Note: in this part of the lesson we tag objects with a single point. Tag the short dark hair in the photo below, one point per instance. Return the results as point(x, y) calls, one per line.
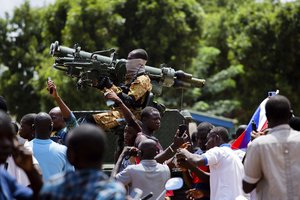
point(240, 130)
point(278, 108)
point(3, 104)
point(203, 129)
point(88, 141)
point(138, 53)
point(6, 126)
point(146, 112)
point(28, 118)
point(42, 123)
point(221, 132)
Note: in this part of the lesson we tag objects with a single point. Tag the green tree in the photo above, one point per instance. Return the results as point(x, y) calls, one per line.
point(264, 39)
point(169, 30)
point(20, 46)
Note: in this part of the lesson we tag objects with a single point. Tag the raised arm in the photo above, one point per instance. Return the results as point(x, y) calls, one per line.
point(172, 149)
point(66, 112)
point(204, 176)
point(197, 160)
point(127, 151)
point(128, 115)
point(23, 158)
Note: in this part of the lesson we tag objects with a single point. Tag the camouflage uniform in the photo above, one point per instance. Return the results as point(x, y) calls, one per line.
point(139, 90)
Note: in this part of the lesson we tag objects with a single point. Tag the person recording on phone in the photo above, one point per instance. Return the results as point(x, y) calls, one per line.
point(62, 117)
point(139, 132)
point(223, 162)
point(151, 119)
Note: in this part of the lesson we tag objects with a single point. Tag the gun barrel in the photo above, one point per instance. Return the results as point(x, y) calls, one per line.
point(59, 51)
point(197, 82)
point(76, 63)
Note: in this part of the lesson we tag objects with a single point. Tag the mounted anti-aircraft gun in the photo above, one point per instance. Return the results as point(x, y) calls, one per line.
point(91, 68)
point(87, 67)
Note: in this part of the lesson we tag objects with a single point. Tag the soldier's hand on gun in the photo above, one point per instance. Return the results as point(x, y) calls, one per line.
point(104, 82)
point(194, 194)
point(51, 87)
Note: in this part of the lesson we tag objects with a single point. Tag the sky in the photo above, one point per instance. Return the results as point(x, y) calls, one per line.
point(9, 5)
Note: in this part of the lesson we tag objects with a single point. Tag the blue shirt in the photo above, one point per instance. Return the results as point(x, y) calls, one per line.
point(61, 135)
point(51, 156)
point(10, 189)
point(83, 184)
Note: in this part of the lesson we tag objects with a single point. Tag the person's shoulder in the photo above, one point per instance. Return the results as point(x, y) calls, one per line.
point(10, 184)
point(218, 151)
point(5, 175)
point(139, 138)
point(58, 147)
point(262, 140)
point(113, 183)
point(29, 143)
point(294, 133)
point(212, 150)
point(111, 189)
point(163, 166)
point(54, 184)
point(142, 79)
point(133, 168)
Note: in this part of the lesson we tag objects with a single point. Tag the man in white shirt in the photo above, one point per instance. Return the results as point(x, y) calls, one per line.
point(149, 176)
point(226, 169)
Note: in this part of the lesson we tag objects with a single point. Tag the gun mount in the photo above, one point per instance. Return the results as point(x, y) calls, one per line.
point(87, 67)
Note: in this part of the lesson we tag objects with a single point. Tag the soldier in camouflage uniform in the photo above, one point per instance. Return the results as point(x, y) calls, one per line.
point(133, 93)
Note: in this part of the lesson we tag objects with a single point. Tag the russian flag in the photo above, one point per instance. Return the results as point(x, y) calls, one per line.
point(261, 122)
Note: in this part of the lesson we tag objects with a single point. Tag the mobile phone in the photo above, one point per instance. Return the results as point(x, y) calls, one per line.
point(51, 89)
point(182, 128)
point(254, 128)
point(136, 194)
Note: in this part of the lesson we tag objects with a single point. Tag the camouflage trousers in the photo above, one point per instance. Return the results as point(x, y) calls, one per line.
point(111, 119)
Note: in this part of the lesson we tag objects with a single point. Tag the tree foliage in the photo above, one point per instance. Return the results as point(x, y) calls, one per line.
point(95, 25)
point(242, 48)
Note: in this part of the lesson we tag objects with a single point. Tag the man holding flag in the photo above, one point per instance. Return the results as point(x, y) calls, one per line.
point(272, 164)
point(259, 119)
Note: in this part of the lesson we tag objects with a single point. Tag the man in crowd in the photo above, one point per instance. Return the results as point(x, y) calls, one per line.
point(86, 148)
point(196, 176)
point(9, 188)
point(62, 117)
point(150, 118)
point(150, 122)
point(26, 126)
point(226, 169)
point(50, 155)
point(272, 161)
point(10, 164)
point(149, 176)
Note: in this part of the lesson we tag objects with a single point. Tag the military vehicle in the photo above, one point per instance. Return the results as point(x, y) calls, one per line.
point(86, 67)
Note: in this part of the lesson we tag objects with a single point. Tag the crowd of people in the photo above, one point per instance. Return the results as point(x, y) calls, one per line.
point(51, 156)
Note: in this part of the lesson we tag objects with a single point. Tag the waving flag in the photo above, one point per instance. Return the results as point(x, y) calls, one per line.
point(260, 119)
